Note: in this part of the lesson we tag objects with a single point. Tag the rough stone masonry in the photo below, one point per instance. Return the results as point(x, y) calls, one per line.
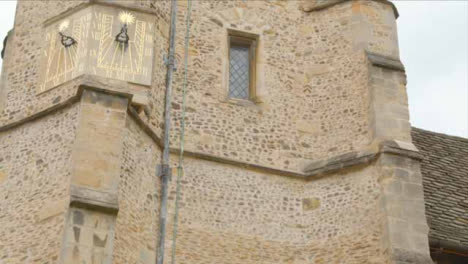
point(318, 168)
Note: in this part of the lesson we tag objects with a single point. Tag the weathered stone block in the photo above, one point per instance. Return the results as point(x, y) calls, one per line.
point(310, 204)
point(51, 209)
point(99, 140)
point(86, 240)
point(3, 176)
point(413, 190)
point(147, 256)
point(402, 175)
point(400, 239)
point(394, 187)
point(402, 255)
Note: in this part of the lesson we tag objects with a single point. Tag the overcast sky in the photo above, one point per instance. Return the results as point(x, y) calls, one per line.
point(433, 38)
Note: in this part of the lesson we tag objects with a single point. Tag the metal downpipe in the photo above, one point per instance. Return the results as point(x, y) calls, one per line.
point(165, 169)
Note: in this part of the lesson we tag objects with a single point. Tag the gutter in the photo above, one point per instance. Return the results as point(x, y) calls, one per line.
point(164, 168)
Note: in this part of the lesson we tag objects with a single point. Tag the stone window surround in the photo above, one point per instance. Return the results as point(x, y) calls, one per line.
point(249, 39)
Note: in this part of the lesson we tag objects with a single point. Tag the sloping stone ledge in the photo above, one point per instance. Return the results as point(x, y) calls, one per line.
point(401, 148)
point(85, 81)
point(208, 157)
point(82, 197)
point(316, 5)
point(339, 162)
point(360, 158)
point(44, 112)
point(314, 170)
point(385, 62)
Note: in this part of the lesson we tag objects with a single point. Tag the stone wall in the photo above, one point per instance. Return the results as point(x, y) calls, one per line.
point(41, 160)
point(327, 88)
point(233, 215)
point(21, 99)
point(312, 83)
point(137, 221)
point(35, 170)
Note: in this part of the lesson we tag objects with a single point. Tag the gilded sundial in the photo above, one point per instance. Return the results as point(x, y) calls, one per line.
point(99, 40)
point(62, 54)
point(123, 46)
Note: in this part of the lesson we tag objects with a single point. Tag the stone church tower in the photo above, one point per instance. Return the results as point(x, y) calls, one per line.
point(297, 137)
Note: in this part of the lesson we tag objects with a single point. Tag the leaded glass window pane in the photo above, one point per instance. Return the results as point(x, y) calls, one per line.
point(239, 71)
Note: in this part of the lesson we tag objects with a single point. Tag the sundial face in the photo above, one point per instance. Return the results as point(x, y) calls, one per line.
point(62, 56)
point(99, 40)
point(122, 45)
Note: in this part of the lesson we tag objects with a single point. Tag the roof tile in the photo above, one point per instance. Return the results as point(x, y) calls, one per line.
point(445, 180)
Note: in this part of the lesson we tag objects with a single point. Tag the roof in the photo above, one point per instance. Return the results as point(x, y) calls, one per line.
point(445, 180)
